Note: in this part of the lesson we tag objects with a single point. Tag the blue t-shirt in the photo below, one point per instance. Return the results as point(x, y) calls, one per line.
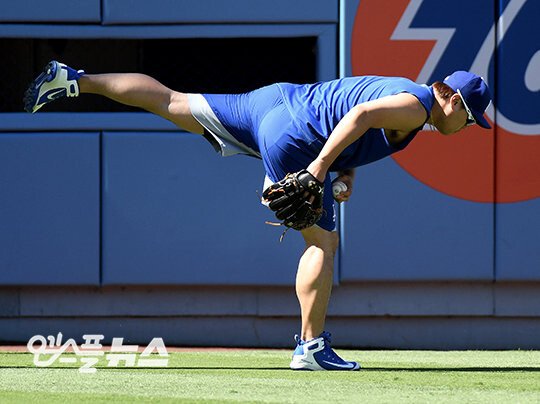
point(317, 108)
point(288, 124)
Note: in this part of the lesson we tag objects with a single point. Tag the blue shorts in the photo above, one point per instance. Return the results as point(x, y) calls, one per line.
point(261, 121)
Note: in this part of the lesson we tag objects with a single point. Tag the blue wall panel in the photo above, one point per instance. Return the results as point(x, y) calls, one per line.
point(49, 209)
point(232, 11)
point(50, 11)
point(175, 212)
point(518, 241)
point(399, 229)
point(518, 143)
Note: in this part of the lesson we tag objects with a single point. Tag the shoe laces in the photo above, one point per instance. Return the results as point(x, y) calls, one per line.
point(326, 336)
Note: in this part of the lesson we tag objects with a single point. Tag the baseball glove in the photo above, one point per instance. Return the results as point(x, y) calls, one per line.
point(296, 200)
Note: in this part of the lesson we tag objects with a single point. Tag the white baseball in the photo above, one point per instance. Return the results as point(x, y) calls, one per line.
point(338, 187)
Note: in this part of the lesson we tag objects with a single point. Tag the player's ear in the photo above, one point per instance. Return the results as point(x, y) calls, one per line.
point(455, 101)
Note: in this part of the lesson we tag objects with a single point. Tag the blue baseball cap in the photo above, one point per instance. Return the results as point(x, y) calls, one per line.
point(474, 92)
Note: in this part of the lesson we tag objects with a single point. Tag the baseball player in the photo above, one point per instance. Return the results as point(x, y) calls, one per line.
point(310, 130)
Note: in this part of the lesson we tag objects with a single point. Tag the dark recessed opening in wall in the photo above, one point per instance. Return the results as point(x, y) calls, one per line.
point(213, 65)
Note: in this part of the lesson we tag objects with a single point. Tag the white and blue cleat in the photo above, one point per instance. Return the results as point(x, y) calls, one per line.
point(317, 354)
point(57, 80)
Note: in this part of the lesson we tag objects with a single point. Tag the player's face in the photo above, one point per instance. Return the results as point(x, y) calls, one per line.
point(455, 117)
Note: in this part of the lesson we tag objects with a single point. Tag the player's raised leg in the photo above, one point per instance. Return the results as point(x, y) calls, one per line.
point(134, 89)
point(313, 287)
point(140, 90)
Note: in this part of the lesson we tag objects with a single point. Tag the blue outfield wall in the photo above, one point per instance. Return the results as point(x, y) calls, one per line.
point(125, 199)
point(78, 11)
point(49, 208)
point(398, 229)
point(175, 212)
point(165, 209)
point(218, 11)
point(460, 208)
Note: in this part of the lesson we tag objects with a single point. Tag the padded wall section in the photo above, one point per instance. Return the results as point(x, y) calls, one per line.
point(518, 241)
point(427, 213)
point(51, 11)
point(174, 212)
point(198, 11)
point(518, 143)
point(399, 229)
point(49, 209)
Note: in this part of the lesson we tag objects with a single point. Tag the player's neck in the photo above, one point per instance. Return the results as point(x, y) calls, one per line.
point(437, 110)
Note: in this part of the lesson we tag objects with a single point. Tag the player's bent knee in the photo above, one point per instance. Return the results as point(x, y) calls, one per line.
point(324, 239)
point(180, 113)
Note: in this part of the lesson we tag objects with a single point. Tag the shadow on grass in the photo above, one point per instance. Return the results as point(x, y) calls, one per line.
point(456, 369)
point(367, 369)
point(149, 367)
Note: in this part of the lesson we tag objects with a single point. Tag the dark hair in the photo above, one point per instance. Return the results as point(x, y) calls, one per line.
point(444, 90)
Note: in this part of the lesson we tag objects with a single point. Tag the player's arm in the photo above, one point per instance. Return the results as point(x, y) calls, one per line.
point(398, 112)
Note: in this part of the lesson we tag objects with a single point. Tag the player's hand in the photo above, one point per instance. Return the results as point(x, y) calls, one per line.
point(296, 200)
point(345, 195)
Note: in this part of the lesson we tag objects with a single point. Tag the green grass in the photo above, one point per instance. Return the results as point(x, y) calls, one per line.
point(263, 376)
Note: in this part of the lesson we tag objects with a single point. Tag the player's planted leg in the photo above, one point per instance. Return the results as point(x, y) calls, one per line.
point(313, 288)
